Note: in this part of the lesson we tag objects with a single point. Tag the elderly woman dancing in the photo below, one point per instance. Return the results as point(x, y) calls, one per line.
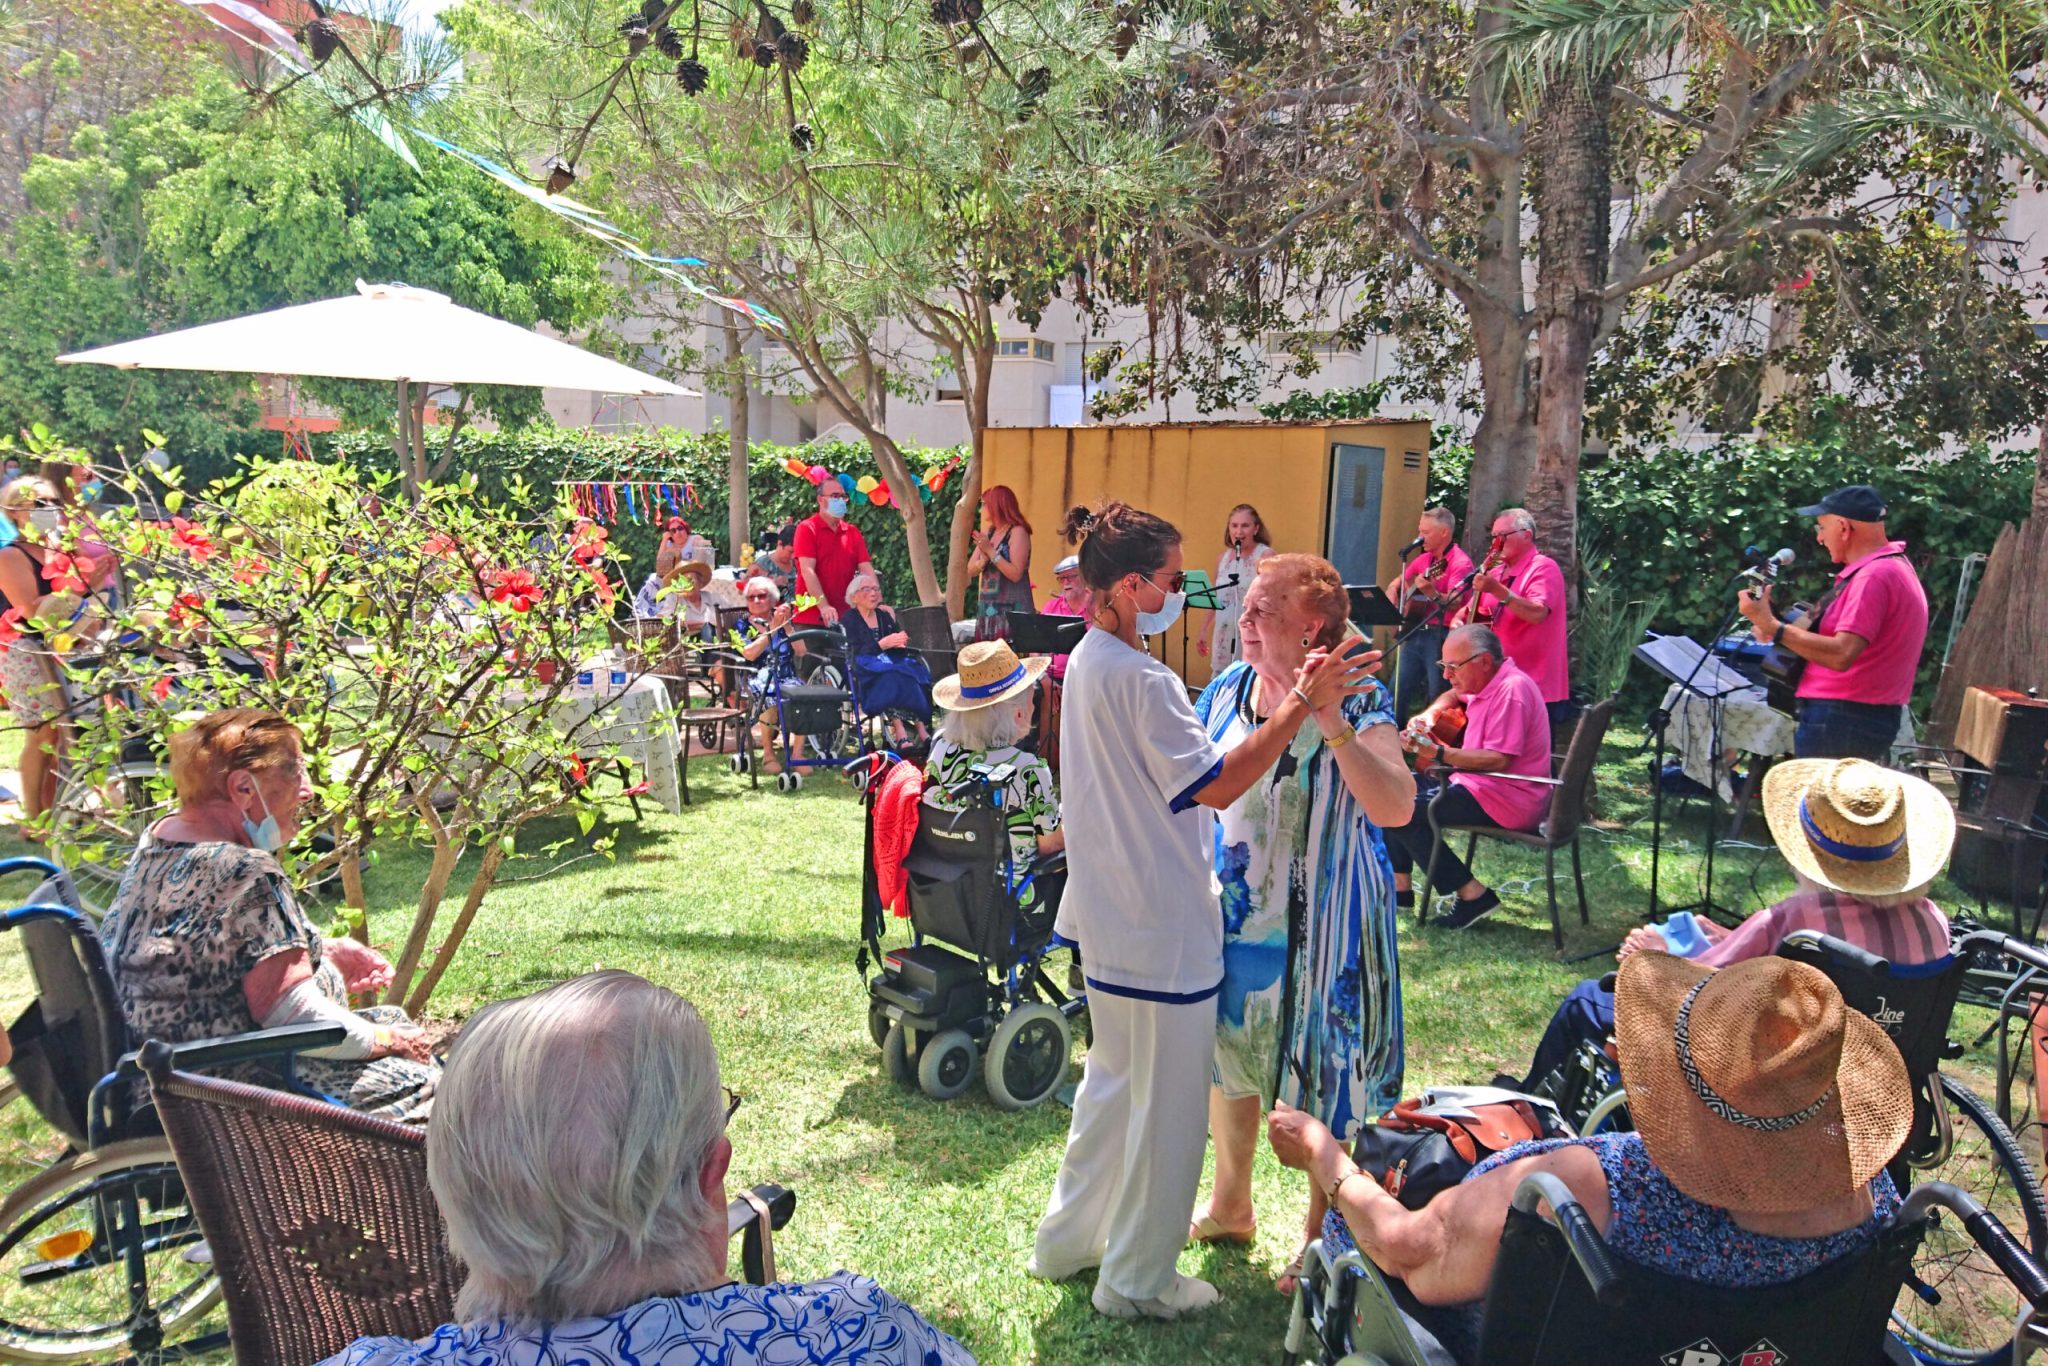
point(1310, 1010)
point(579, 1154)
point(205, 938)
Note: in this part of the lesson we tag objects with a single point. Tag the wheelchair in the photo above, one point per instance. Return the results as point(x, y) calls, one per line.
point(1559, 1297)
point(816, 696)
point(971, 992)
point(100, 1256)
point(1955, 1306)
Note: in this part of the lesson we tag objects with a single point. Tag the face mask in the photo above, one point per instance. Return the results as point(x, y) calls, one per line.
point(1154, 623)
point(268, 836)
point(90, 491)
point(49, 521)
point(835, 507)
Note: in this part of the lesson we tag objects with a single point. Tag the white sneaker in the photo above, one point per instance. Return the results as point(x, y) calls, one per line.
point(1186, 1295)
point(1050, 1271)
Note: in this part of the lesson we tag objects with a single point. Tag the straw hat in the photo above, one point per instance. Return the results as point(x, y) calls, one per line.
point(990, 672)
point(1755, 1087)
point(697, 570)
point(1856, 827)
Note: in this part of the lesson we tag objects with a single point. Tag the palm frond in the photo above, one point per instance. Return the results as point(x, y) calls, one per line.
point(1827, 130)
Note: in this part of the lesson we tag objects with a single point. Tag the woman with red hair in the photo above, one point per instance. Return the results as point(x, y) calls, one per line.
point(1002, 556)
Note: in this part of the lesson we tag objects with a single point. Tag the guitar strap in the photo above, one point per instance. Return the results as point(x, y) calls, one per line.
point(1827, 599)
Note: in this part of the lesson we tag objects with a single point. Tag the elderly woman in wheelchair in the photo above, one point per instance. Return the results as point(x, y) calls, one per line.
point(205, 939)
point(987, 710)
point(1765, 1113)
point(588, 1203)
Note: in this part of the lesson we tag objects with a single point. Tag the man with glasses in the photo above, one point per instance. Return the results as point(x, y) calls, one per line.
point(1520, 593)
point(1507, 731)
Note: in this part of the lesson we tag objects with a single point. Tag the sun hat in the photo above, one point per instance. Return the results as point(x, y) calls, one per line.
point(990, 672)
point(1756, 1087)
point(697, 570)
point(1858, 827)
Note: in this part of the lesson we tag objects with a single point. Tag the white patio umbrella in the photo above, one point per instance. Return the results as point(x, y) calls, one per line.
point(382, 332)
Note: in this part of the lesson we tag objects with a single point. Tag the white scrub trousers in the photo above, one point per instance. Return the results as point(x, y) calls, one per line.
point(1126, 1187)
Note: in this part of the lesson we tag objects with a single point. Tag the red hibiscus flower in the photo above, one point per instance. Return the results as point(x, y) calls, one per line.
point(10, 626)
point(193, 537)
point(251, 569)
point(161, 689)
point(515, 588)
point(440, 543)
point(185, 608)
point(66, 573)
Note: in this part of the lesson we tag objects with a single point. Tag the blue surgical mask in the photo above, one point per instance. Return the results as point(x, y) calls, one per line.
point(268, 836)
point(1155, 623)
point(90, 490)
point(836, 506)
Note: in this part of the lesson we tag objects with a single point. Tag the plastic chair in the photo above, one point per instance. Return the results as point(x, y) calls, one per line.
point(1559, 830)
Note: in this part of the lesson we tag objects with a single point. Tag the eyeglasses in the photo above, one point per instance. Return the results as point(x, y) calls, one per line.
point(1178, 582)
point(1451, 666)
point(732, 1104)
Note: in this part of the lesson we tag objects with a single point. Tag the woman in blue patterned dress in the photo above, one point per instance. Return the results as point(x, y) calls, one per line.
point(1310, 1011)
point(579, 1154)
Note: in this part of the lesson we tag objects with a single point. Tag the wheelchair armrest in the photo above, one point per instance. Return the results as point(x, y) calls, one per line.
point(1814, 941)
point(755, 1225)
point(29, 865)
point(1528, 778)
point(1049, 863)
point(1588, 1248)
point(159, 1059)
point(781, 1203)
point(2027, 1275)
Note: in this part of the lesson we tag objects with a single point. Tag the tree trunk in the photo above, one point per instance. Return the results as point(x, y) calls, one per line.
point(982, 357)
point(736, 440)
point(1573, 210)
point(401, 444)
point(446, 853)
point(479, 887)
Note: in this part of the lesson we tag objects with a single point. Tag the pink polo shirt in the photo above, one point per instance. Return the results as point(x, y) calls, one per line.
point(1507, 715)
point(1538, 646)
point(1881, 600)
point(1458, 565)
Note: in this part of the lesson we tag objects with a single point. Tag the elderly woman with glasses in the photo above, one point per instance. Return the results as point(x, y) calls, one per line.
point(764, 641)
point(892, 678)
point(205, 937)
point(579, 1155)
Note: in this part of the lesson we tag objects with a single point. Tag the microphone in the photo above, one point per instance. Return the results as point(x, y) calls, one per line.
point(1763, 569)
point(1411, 547)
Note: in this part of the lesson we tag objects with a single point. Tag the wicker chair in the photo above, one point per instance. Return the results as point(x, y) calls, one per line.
point(1560, 829)
point(321, 1222)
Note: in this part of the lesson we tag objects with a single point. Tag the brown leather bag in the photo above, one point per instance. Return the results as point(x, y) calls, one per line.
point(1426, 1145)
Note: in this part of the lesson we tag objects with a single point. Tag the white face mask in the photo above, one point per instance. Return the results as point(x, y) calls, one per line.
point(49, 521)
point(1153, 623)
point(267, 836)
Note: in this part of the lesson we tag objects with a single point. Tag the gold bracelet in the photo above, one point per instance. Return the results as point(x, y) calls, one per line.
point(1341, 738)
point(1336, 1187)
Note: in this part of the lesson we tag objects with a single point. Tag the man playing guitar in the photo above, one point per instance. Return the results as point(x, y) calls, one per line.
point(1427, 584)
point(1520, 593)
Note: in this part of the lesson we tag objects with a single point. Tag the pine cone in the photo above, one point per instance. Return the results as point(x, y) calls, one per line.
point(793, 51)
point(802, 138)
point(633, 28)
point(560, 178)
point(321, 38)
point(670, 42)
point(764, 54)
point(692, 75)
point(803, 14)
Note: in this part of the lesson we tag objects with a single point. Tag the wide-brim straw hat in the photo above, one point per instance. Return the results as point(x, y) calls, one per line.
point(1857, 827)
point(697, 570)
point(990, 672)
point(1756, 1088)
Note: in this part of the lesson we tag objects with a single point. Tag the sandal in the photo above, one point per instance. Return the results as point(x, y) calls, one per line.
point(1289, 1278)
point(1205, 1229)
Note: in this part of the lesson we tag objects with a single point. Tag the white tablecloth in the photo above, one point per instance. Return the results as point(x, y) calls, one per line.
point(1740, 721)
point(640, 723)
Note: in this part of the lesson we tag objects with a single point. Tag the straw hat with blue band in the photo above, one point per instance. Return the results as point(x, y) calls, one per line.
point(990, 672)
point(1856, 827)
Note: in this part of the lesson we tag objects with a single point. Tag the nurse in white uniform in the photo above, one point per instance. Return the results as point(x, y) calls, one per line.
point(1140, 778)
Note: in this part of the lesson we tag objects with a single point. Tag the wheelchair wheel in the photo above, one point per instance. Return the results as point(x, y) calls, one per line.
point(878, 1023)
point(900, 1055)
point(96, 825)
point(1957, 1306)
point(789, 780)
point(842, 739)
point(947, 1064)
point(740, 762)
point(1027, 1056)
point(63, 1273)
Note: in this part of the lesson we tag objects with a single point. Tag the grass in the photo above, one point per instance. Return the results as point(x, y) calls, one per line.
point(747, 903)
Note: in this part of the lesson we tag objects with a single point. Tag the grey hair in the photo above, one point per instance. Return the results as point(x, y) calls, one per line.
point(860, 581)
point(1482, 639)
point(760, 581)
point(986, 728)
point(1443, 517)
point(1518, 519)
point(569, 1130)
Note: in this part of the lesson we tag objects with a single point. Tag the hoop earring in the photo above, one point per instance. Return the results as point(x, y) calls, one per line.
point(1307, 640)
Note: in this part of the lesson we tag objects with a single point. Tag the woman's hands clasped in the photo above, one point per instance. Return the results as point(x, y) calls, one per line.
point(1328, 676)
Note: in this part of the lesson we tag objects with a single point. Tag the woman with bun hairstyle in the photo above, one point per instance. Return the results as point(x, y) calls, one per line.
point(1142, 778)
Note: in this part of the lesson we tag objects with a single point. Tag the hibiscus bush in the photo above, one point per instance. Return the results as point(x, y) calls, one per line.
point(424, 649)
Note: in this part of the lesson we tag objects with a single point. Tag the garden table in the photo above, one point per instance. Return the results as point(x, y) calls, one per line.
point(640, 723)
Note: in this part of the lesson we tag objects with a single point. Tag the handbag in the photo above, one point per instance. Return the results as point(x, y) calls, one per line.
point(1423, 1147)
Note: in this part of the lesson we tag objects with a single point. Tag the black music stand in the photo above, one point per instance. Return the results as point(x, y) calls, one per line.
point(1370, 607)
point(1684, 666)
point(1042, 633)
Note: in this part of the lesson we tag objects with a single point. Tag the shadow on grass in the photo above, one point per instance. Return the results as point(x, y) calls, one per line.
point(751, 947)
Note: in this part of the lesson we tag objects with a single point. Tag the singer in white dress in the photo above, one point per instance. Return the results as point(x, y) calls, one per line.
point(1245, 543)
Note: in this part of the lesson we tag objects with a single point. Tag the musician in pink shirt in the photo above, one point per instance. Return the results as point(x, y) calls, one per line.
point(1524, 601)
point(1507, 732)
point(1429, 595)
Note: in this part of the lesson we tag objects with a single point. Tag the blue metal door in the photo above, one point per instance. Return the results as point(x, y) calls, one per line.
point(1355, 478)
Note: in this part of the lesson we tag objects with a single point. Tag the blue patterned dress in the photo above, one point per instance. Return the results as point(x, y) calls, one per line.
point(841, 1319)
point(1310, 1010)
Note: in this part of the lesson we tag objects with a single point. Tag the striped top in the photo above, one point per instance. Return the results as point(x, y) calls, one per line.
point(1914, 933)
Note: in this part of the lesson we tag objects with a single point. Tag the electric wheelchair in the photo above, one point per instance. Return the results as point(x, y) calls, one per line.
point(972, 990)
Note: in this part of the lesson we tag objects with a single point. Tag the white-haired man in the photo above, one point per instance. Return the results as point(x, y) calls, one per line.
point(579, 1152)
point(1427, 586)
point(1523, 598)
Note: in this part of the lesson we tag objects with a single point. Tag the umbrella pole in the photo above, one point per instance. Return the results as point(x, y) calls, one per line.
point(402, 442)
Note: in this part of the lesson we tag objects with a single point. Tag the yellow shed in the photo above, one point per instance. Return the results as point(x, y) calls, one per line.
point(1350, 491)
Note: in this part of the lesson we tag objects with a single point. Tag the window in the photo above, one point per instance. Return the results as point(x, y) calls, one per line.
point(948, 393)
point(1025, 348)
point(1042, 350)
point(1013, 348)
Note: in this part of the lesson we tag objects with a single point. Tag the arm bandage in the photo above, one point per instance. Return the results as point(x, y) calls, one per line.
point(306, 1004)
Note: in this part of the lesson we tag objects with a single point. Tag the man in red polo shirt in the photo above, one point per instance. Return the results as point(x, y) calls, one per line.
point(1862, 654)
point(1524, 601)
point(829, 552)
point(1507, 731)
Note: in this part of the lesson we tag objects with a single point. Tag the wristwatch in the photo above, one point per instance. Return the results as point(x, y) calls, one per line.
point(1778, 636)
point(1341, 738)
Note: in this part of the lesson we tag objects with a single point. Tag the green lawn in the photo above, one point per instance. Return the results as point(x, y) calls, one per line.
point(748, 904)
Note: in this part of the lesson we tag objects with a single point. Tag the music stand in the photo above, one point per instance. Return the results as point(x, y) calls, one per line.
point(1687, 664)
point(1043, 633)
point(1370, 606)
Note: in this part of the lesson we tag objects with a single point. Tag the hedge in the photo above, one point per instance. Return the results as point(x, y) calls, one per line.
point(540, 456)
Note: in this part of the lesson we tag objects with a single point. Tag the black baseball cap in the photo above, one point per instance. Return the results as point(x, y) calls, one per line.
point(1858, 502)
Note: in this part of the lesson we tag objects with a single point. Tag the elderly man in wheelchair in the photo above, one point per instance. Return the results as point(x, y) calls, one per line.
point(1748, 1219)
